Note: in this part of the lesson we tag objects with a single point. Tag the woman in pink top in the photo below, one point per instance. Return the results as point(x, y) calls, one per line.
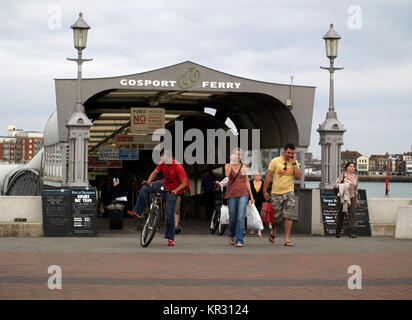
point(237, 194)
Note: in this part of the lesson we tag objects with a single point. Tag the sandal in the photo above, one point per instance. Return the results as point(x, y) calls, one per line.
point(288, 244)
point(232, 241)
point(272, 237)
point(239, 245)
point(252, 234)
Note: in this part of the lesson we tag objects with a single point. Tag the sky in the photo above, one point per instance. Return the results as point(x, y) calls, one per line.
point(264, 40)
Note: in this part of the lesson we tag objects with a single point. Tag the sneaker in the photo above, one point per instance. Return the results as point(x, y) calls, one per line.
point(171, 243)
point(134, 214)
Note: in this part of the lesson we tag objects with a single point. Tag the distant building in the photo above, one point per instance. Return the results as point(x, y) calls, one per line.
point(407, 159)
point(397, 164)
point(313, 166)
point(346, 156)
point(19, 146)
point(362, 165)
point(308, 156)
point(377, 163)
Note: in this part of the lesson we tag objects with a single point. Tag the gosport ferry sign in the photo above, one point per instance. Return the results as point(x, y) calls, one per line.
point(187, 80)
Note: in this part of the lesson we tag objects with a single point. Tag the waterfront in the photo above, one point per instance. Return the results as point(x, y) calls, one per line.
point(377, 189)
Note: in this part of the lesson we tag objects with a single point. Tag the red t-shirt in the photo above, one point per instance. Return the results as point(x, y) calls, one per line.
point(174, 174)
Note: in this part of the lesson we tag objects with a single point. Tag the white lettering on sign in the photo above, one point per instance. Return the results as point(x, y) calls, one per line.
point(148, 83)
point(172, 84)
point(221, 85)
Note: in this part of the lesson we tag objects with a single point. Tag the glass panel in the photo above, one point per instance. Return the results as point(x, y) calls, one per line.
point(265, 160)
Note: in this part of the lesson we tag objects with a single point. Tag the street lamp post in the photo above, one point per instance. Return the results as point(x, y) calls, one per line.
point(331, 130)
point(79, 124)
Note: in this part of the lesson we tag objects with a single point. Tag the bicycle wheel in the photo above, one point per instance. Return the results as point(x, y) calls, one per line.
point(222, 228)
point(150, 227)
point(215, 220)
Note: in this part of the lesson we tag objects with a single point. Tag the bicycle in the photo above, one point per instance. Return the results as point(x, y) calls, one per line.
point(153, 218)
point(215, 222)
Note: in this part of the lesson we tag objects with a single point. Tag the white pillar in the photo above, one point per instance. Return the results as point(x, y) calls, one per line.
point(79, 136)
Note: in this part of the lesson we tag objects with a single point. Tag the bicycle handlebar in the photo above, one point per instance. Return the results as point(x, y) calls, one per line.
point(161, 189)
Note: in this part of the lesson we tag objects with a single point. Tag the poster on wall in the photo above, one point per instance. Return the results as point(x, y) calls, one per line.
point(146, 120)
point(329, 207)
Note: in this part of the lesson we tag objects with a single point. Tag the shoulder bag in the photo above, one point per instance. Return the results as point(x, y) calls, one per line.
point(336, 189)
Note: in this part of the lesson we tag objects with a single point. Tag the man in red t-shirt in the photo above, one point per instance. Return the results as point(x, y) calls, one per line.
point(175, 180)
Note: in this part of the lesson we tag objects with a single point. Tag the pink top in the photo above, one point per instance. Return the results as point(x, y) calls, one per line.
point(238, 188)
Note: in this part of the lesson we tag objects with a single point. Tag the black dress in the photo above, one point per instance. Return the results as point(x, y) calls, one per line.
point(258, 196)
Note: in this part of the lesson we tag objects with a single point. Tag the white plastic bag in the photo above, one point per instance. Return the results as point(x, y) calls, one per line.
point(253, 220)
point(224, 214)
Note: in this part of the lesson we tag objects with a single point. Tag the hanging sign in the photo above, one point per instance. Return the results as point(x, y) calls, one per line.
point(146, 120)
point(141, 142)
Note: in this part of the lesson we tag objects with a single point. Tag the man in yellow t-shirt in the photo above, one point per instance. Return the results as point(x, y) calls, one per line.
point(283, 169)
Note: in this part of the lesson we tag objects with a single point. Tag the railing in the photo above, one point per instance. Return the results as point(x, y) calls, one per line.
point(55, 164)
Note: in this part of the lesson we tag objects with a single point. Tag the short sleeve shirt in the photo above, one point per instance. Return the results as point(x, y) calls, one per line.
point(173, 174)
point(283, 177)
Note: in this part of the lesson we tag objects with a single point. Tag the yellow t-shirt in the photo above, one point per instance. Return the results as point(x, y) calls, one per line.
point(283, 180)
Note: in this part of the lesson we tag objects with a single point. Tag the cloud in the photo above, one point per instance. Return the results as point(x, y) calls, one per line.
point(263, 40)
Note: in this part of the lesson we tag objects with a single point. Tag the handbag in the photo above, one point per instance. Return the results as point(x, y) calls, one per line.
point(224, 214)
point(336, 189)
point(254, 222)
point(266, 213)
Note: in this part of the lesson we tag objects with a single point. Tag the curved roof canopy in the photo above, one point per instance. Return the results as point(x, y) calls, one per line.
point(185, 90)
point(51, 131)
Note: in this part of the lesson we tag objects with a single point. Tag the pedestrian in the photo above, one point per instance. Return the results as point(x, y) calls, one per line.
point(208, 192)
point(175, 180)
point(347, 199)
point(120, 190)
point(237, 194)
point(283, 170)
point(257, 191)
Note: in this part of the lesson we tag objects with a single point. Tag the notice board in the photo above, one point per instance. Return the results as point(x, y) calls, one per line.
point(57, 214)
point(329, 207)
point(84, 211)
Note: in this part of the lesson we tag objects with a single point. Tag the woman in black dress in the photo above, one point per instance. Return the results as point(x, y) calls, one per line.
point(256, 185)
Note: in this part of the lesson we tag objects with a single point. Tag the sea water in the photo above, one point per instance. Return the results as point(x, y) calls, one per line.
point(377, 189)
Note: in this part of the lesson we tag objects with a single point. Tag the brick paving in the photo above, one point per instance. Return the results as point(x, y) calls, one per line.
point(203, 266)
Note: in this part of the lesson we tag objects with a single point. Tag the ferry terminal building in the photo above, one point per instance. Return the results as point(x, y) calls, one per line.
point(282, 112)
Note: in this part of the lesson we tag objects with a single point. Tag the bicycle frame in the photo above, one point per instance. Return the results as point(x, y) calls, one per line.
point(153, 219)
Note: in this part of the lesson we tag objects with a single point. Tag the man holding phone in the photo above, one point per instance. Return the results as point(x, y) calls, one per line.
point(283, 170)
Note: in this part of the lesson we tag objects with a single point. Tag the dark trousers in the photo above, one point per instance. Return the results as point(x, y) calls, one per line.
point(350, 217)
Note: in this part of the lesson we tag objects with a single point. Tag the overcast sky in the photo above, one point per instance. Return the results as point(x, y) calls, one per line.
point(265, 40)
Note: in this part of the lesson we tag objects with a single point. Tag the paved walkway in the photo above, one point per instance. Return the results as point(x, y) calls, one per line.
point(204, 266)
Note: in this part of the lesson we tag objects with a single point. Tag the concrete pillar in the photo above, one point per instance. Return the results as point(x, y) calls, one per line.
point(79, 136)
point(331, 139)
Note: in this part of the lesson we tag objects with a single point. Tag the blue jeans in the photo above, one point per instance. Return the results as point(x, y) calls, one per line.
point(170, 206)
point(237, 213)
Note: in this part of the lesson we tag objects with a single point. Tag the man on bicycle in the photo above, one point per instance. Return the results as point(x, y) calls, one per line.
point(175, 180)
